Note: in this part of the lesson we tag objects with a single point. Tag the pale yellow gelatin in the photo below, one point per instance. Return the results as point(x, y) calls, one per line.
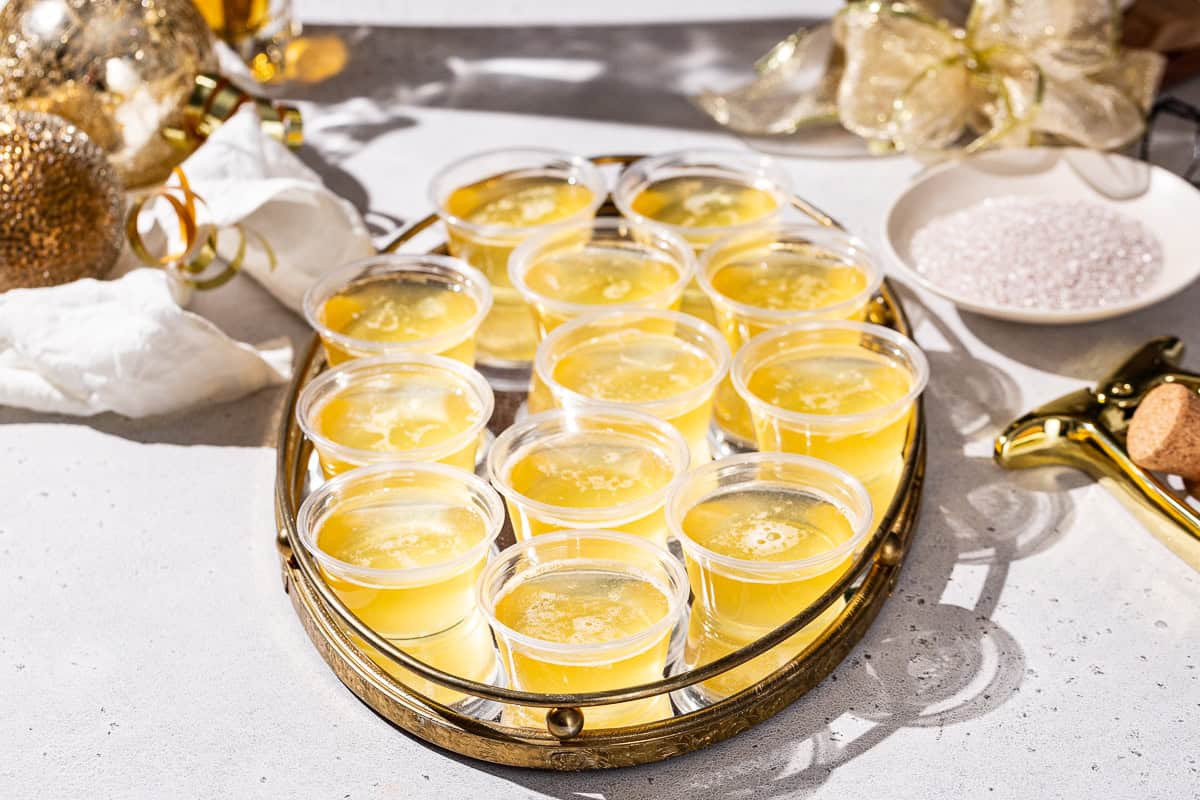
point(405, 537)
point(600, 275)
point(387, 310)
point(581, 607)
point(396, 415)
point(792, 278)
point(590, 470)
point(429, 614)
point(771, 525)
point(517, 205)
point(703, 202)
point(788, 280)
point(735, 604)
point(466, 650)
point(832, 381)
point(636, 367)
point(708, 640)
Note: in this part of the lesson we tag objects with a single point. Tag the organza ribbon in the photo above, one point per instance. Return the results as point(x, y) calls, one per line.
point(1018, 72)
point(198, 249)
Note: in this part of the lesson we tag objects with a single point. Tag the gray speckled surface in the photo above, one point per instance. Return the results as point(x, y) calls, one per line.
point(1040, 642)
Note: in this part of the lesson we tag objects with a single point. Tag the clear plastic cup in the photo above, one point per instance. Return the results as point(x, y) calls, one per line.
point(402, 546)
point(764, 277)
point(588, 467)
point(490, 202)
point(764, 535)
point(398, 303)
point(605, 265)
point(745, 189)
point(664, 363)
point(395, 408)
point(585, 611)
point(843, 392)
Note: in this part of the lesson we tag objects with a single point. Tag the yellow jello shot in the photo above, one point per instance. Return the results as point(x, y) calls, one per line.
point(702, 195)
point(591, 467)
point(663, 363)
point(395, 408)
point(762, 278)
point(399, 303)
point(608, 264)
point(842, 392)
point(764, 536)
point(585, 611)
point(402, 546)
point(490, 202)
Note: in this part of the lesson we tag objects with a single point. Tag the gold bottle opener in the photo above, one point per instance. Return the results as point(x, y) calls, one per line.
point(1086, 430)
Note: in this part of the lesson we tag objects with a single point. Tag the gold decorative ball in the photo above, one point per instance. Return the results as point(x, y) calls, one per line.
point(564, 722)
point(121, 70)
point(61, 207)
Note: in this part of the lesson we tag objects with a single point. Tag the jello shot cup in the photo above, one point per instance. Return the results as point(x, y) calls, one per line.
point(490, 202)
point(589, 467)
point(664, 363)
point(585, 611)
point(399, 303)
point(843, 392)
point(402, 545)
point(764, 535)
point(395, 408)
point(702, 195)
point(764, 277)
point(607, 264)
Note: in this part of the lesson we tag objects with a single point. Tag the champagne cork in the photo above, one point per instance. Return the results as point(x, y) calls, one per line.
point(1164, 434)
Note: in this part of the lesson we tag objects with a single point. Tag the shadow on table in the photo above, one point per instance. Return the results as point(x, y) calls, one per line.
point(616, 73)
point(1091, 350)
point(934, 657)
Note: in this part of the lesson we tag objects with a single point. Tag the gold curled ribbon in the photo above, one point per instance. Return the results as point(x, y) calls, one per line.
point(1016, 72)
point(191, 270)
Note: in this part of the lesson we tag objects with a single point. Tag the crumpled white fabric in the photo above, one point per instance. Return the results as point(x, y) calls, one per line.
point(246, 177)
point(123, 345)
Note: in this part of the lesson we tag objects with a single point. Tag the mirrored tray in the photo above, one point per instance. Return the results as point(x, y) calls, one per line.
point(566, 743)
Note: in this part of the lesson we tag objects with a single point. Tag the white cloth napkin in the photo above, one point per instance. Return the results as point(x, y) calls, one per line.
point(127, 345)
point(123, 345)
point(246, 177)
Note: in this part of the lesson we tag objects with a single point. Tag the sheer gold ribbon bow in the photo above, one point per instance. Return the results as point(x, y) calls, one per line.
point(197, 260)
point(1017, 72)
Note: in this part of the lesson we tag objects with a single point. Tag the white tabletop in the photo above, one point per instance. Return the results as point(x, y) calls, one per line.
point(1040, 641)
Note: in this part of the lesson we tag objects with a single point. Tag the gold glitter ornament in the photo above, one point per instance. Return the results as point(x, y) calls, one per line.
point(122, 70)
point(61, 206)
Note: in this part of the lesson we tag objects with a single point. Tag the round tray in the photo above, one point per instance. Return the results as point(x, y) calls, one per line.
point(329, 624)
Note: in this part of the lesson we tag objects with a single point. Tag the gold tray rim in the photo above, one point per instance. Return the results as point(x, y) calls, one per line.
point(324, 619)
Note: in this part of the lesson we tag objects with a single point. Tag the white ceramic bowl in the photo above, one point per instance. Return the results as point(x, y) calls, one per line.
point(1162, 201)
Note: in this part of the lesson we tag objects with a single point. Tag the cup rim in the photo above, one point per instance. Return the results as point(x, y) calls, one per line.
point(920, 370)
point(593, 179)
point(493, 505)
point(764, 167)
point(776, 316)
point(861, 522)
point(676, 595)
point(575, 517)
point(477, 286)
point(350, 370)
point(722, 360)
point(522, 260)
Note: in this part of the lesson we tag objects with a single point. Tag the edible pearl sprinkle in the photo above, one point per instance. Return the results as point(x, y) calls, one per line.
point(1032, 253)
